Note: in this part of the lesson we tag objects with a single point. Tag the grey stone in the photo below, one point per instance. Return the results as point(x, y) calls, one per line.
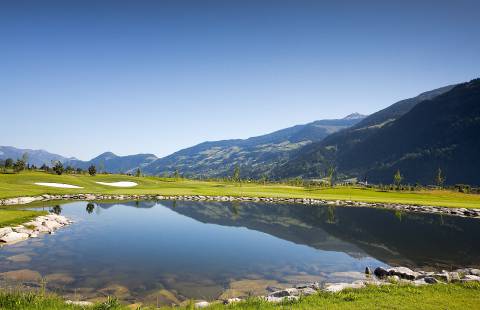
point(5, 230)
point(454, 277)
point(475, 272)
point(231, 301)
point(202, 304)
point(79, 303)
point(337, 287)
point(380, 272)
point(470, 277)
point(14, 237)
point(403, 272)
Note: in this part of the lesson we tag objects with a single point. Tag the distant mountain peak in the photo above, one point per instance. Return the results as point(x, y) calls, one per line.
point(355, 115)
point(106, 155)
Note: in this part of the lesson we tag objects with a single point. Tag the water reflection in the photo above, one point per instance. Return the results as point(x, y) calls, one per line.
point(174, 250)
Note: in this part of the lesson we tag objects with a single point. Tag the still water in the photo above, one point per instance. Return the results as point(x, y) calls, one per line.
point(167, 252)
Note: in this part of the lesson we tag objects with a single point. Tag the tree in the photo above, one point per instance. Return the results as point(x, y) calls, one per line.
point(58, 168)
point(439, 178)
point(176, 174)
point(330, 173)
point(90, 207)
point(69, 169)
point(138, 173)
point(19, 165)
point(92, 170)
point(236, 174)
point(397, 178)
point(264, 179)
point(8, 163)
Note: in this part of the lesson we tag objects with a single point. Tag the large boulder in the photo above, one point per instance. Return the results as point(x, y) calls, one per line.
point(403, 273)
point(337, 287)
point(14, 237)
point(4, 231)
point(380, 272)
point(470, 278)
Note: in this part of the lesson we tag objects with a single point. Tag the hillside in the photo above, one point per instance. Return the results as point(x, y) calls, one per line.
point(441, 131)
point(34, 157)
point(255, 156)
point(112, 163)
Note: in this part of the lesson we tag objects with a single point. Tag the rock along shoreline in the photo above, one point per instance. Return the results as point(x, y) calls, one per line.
point(44, 224)
point(380, 276)
point(461, 212)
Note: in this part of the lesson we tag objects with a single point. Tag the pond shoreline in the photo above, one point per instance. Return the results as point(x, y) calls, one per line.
point(461, 212)
point(379, 277)
point(44, 224)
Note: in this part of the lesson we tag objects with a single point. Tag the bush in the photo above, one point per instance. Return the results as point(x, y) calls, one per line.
point(92, 170)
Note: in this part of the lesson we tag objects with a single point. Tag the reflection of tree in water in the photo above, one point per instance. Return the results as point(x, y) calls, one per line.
point(57, 209)
point(331, 215)
point(399, 215)
point(174, 204)
point(235, 209)
point(90, 207)
point(137, 203)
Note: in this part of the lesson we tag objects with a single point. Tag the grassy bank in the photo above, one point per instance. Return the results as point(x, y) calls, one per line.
point(440, 296)
point(22, 184)
point(15, 217)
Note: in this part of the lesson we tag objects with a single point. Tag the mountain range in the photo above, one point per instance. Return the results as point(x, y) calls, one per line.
point(438, 129)
point(255, 156)
point(35, 157)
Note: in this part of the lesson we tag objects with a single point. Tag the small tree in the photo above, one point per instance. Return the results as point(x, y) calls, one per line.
point(90, 207)
point(236, 174)
point(58, 168)
point(264, 179)
point(439, 178)
point(176, 174)
point(330, 173)
point(397, 178)
point(19, 165)
point(138, 173)
point(8, 163)
point(92, 170)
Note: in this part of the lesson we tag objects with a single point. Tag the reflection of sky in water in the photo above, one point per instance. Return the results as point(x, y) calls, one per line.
point(147, 248)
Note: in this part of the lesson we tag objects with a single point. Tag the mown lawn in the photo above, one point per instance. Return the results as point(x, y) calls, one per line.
point(22, 184)
point(15, 217)
point(440, 296)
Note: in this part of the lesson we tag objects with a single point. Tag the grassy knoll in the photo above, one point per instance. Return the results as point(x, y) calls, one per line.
point(440, 296)
point(22, 184)
point(14, 217)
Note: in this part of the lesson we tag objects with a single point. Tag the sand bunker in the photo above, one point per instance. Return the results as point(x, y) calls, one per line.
point(118, 184)
point(61, 185)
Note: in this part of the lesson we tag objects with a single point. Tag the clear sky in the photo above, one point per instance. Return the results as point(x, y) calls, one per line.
point(82, 77)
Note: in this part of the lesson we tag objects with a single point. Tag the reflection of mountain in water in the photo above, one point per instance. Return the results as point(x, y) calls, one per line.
point(395, 238)
point(135, 204)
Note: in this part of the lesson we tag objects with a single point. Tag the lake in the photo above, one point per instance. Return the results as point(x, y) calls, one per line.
point(169, 251)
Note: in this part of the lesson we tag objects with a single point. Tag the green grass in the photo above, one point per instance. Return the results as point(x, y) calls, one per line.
point(451, 296)
point(22, 184)
point(440, 296)
point(15, 217)
point(18, 300)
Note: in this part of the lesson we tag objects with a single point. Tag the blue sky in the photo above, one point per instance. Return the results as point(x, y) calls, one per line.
point(83, 77)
